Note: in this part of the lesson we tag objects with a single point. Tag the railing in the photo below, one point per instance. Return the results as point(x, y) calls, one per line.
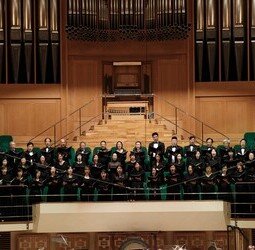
point(178, 115)
point(179, 119)
point(73, 122)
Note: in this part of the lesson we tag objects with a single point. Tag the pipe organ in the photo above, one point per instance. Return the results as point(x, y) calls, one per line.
point(224, 34)
point(110, 20)
point(30, 28)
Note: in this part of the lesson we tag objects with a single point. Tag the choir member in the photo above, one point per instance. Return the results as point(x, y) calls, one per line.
point(30, 155)
point(250, 163)
point(19, 190)
point(13, 156)
point(136, 180)
point(230, 160)
point(112, 165)
point(54, 184)
point(180, 164)
point(43, 166)
point(120, 182)
point(159, 164)
point(241, 188)
point(223, 151)
point(5, 192)
point(25, 168)
point(48, 151)
point(224, 184)
point(207, 149)
point(104, 187)
point(85, 153)
point(96, 167)
point(173, 150)
point(191, 184)
point(208, 184)
point(156, 147)
point(121, 153)
point(198, 162)
point(214, 161)
point(104, 154)
point(70, 184)
point(64, 150)
point(190, 150)
point(87, 185)
point(78, 166)
point(131, 164)
point(61, 165)
point(242, 153)
point(173, 183)
point(139, 153)
point(36, 188)
point(155, 181)
point(5, 163)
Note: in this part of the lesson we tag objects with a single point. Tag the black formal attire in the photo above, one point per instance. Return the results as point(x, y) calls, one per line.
point(104, 189)
point(173, 186)
point(156, 148)
point(172, 152)
point(70, 184)
point(49, 154)
point(208, 186)
point(119, 189)
point(87, 188)
point(136, 180)
point(54, 184)
point(85, 154)
point(191, 186)
point(154, 184)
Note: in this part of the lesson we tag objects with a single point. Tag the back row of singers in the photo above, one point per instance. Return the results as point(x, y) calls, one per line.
point(61, 156)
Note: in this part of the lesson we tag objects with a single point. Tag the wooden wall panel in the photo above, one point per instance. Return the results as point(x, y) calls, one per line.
point(28, 117)
point(231, 115)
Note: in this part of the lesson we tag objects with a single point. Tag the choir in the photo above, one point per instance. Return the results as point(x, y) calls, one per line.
point(192, 172)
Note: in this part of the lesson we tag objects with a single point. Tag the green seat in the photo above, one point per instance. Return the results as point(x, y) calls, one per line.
point(5, 141)
point(250, 139)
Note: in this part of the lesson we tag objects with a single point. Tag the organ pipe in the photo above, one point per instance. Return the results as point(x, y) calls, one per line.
point(15, 13)
point(27, 15)
point(43, 14)
point(226, 14)
point(200, 15)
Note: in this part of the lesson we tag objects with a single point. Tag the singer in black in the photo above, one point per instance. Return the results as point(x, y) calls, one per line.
point(156, 147)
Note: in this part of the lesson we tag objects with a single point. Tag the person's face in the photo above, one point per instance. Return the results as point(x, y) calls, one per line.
point(155, 138)
point(190, 169)
point(38, 174)
point(224, 169)
point(114, 157)
point(172, 169)
point(69, 170)
point(30, 148)
point(226, 144)
point(103, 175)
point(251, 156)
point(4, 162)
point(119, 145)
point(52, 170)
point(158, 157)
point(95, 158)
point(138, 145)
point(47, 142)
point(103, 145)
point(4, 171)
point(87, 171)
point(20, 173)
point(79, 157)
point(62, 143)
point(119, 170)
point(179, 157)
point(243, 143)
point(12, 145)
point(153, 171)
point(192, 141)
point(239, 167)
point(23, 160)
point(174, 142)
point(137, 166)
point(82, 145)
point(198, 154)
point(132, 157)
point(208, 170)
point(213, 153)
point(209, 143)
point(60, 157)
point(42, 159)
point(230, 154)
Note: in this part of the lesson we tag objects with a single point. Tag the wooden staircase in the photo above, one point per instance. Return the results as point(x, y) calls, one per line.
point(126, 130)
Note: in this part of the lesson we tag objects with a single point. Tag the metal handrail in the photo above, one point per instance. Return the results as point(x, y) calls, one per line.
point(189, 115)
